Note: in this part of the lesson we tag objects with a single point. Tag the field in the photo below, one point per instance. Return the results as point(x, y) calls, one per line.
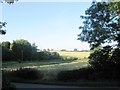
point(50, 68)
point(79, 55)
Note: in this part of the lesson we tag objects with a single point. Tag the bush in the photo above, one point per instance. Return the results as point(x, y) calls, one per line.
point(107, 61)
point(6, 85)
point(100, 59)
point(44, 55)
point(116, 59)
point(73, 75)
point(69, 58)
point(27, 73)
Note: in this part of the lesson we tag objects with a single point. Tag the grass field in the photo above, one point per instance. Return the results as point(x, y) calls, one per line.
point(50, 68)
point(79, 55)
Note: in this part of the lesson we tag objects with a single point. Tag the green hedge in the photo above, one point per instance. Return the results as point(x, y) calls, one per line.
point(26, 73)
point(73, 75)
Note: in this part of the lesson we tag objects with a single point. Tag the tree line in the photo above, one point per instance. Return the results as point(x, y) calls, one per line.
point(22, 50)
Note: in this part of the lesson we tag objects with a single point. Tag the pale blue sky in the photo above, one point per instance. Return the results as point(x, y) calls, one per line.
point(49, 25)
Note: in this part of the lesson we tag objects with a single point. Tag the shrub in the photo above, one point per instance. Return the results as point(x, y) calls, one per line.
point(45, 55)
point(107, 61)
point(73, 75)
point(27, 73)
point(69, 58)
point(6, 84)
point(100, 59)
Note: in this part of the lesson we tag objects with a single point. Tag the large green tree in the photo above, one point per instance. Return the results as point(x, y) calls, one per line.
point(101, 24)
point(101, 30)
point(22, 49)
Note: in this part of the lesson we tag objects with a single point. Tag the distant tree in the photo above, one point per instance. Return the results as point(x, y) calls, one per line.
point(34, 48)
point(6, 44)
point(75, 49)
point(52, 49)
point(63, 50)
point(34, 51)
point(22, 49)
point(44, 50)
point(48, 49)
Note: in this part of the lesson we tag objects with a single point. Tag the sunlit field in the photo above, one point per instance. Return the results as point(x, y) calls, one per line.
point(79, 55)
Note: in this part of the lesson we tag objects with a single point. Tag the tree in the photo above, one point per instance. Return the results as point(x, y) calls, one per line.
point(75, 49)
point(101, 24)
point(34, 51)
point(6, 44)
point(5, 85)
point(34, 48)
point(7, 53)
point(2, 24)
point(22, 49)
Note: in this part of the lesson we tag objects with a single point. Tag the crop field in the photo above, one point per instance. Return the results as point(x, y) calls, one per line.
point(50, 68)
point(79, 55)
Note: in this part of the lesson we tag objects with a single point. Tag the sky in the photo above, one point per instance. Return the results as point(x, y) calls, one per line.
point(53, 25)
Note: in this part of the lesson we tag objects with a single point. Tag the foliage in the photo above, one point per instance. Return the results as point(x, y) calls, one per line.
point(7, 55)
point(22, 49)
point(69, 58)
point(26, 73)
point(74, 75)
point(75, 49)
point(100, 58)
point(8, 1)
point(2, 24)
point(106, 60)
point(6, 44)
point(6, 84)
point(34, 51)
point(101, 24)
point(45, 55)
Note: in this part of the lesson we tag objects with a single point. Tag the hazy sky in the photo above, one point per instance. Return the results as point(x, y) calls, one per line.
point(53, 25)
